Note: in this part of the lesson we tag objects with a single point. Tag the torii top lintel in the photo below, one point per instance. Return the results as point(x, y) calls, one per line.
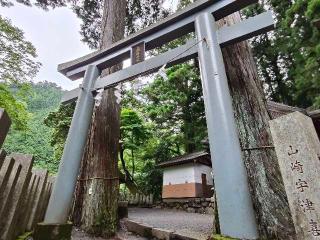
point(172, 27)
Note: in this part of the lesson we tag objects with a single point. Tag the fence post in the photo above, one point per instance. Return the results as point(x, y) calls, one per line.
point(5, 123)
point(14, 204)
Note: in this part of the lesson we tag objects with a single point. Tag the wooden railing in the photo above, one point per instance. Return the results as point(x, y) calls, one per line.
point(5, 123)
point(24, 192)
point(137, 199)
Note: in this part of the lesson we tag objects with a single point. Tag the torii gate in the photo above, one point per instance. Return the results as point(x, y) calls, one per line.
point(236, 215)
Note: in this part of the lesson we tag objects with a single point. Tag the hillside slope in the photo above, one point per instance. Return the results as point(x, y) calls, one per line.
point(44, 97)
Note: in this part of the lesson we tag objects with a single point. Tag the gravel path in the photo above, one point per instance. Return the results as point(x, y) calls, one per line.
point(122, 234)
point(191, 224)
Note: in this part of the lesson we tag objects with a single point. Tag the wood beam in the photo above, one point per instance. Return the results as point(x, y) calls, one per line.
point(172, 27)
point(170, 58)
point(185, 53)
point(246, 29)
point(227, 35)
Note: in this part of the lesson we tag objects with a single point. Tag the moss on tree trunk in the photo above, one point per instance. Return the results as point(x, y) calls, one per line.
point(250, 110)
point(96, 197)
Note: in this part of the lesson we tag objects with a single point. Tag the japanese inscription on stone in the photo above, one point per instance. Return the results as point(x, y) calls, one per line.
point(298, 149)
point(138, 53)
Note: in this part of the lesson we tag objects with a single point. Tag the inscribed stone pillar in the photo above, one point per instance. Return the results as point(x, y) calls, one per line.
point(298, 149)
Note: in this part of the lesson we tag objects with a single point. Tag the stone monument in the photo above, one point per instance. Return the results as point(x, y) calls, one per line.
point(298, 150)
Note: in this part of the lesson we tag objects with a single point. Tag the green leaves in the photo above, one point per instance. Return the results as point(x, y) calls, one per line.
point(133, 130)
point(139, 14)
point(176, 105)
point(17, 68)
point(44, 4)
point(16, 108)
point(17, 56)
point(59, 122)
point(34, 138)
point(288, 58)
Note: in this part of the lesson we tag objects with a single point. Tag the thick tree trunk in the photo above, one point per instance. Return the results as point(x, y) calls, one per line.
point(266, 185)
point(96, 197)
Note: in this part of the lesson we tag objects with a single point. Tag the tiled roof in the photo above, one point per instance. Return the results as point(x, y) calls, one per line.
point(202, 157)
point(279, 109)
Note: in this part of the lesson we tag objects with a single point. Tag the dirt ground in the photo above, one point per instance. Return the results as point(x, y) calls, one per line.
point(123, 234)
point(188, 224)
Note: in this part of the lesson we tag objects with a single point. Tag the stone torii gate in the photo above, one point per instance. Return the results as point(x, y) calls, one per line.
point(236, 215)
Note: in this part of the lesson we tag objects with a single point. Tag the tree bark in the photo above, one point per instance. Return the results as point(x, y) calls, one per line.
point(250, 110)
point(96, 197)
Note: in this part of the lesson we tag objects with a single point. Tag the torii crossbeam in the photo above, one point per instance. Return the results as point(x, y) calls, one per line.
point(236, 215)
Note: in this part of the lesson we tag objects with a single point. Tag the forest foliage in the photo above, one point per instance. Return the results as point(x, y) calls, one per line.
point(161, 117)
point(42, 98)
point(17, 67)
point(288, 58)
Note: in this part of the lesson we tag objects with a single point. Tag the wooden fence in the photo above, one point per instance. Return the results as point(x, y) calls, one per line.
point(24, 192)
point(138, 199)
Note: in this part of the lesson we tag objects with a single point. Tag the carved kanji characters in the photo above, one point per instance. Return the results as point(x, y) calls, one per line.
point(306, 205)
point(297, 166)
point(301, 185)
point(291, 151)
point(314, 228)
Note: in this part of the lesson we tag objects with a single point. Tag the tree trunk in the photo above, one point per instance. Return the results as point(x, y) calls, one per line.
point(96, 197)
point(251, 113)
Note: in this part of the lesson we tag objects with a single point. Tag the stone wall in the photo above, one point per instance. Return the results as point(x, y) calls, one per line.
point(192, 205)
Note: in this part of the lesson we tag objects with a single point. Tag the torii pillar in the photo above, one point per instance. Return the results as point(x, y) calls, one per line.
point(234, 201)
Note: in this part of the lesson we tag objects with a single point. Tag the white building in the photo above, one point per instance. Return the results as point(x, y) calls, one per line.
point(187, 176)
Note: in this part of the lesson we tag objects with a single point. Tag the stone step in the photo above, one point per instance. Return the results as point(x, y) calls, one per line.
point(150, 232)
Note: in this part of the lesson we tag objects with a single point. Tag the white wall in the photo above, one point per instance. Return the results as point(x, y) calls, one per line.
point(190, 173)
point(199, 169)
point(179, 174)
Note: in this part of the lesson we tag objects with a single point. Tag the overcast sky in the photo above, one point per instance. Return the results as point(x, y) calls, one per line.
point(55, 34)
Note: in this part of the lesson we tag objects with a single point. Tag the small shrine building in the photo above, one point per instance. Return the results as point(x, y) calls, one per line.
point(187, 176)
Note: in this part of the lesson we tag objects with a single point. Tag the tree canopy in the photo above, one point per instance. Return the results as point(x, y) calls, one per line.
point(17, 67)
point(42, 98)
point(288, 58)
